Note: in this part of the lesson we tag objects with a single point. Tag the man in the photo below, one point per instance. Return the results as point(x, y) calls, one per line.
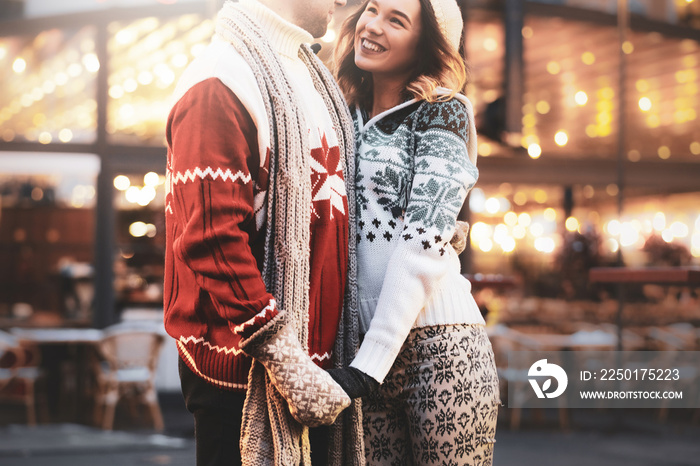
point(258, 219)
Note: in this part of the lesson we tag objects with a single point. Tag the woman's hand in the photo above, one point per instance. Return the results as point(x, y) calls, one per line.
point(459, 239)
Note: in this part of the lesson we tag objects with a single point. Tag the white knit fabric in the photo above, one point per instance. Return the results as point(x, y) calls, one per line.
point(449, 18)
point(409, 195)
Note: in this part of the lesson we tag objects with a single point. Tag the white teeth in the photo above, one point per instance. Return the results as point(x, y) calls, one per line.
point(371, 46)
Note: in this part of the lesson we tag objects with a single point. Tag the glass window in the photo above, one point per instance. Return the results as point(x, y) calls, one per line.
point(48, 92)
point(139, 203)
point(147, 57)
point(47, 231)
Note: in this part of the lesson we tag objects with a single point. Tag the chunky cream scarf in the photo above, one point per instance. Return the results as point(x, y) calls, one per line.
point(269, 435)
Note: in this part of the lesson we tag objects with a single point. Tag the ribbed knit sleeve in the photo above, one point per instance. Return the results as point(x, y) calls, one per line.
point(213, 167)
point(443, 175)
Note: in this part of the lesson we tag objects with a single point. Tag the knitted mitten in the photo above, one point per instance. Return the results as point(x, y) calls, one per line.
point(313, 396)
point(459, 239)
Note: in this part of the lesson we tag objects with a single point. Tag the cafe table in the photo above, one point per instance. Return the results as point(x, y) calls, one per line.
point(622, 276)
point(66, 357)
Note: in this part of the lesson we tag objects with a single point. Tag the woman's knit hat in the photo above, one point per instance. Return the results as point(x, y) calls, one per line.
point(449, 18)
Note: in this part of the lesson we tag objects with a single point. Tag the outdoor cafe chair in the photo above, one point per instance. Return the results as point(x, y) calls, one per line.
point(19, 375)
point(127, 371)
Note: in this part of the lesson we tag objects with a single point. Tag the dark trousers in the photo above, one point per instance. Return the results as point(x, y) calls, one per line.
point(217, 422)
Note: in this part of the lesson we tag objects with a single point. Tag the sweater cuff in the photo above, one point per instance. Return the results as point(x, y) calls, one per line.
point(374, 359)
point(249, 327)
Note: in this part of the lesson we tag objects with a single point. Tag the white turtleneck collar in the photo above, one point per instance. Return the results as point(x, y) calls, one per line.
point(285, 37)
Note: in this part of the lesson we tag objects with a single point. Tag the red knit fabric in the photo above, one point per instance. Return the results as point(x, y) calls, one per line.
point(214, 250)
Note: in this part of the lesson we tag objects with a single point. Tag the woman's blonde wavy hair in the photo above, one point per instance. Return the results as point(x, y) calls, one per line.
point(437, 63)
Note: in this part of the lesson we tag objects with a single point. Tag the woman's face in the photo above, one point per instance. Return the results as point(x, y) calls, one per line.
point(386, 37)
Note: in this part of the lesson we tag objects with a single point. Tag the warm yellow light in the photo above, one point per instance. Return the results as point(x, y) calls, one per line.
point(591, 130)
point(480, 231)
point(130, 85)
point(667, 235)
point(588, 58)
point(642, 85)
point(490, 44)
point(542, 107)
point(664, 152)
point(679, 229)
point(695, 148)
point(527, 32)
point(612, 189)
point(484, 149)
point(634, 155)
point(536, 229)
point(145, 78)
point(627, 47)
point(550, 214)
point(653, 121)
point(508, 244)
point(65, 135)
point(45, 137)
point(151, 179)
point(545, 245)
point(132, 194)
point(329, 37)
point(524, 219)
point(91, 62)
point(519, 232)
point(614, 227)
point(138, 229)
point(534, 151)
point(510, 219)
point(19, 65)
point(122, 182)
point(116, 91)
point(520, 198)
point(659, 221)
point(492, 205)
point(486, 245)
point(561, 138)
point(553, 67)
point(571, 224)
point(581, 98)
point(541, 196)
point(645, 104)
point(607, 93)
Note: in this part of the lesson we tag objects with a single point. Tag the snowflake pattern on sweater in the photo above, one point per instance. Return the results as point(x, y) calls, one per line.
point(438, 178)
point(413, 175)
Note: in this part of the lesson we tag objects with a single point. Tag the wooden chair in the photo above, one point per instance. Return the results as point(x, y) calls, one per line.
point(128, 370)
point(504, 340)
point(19, 375)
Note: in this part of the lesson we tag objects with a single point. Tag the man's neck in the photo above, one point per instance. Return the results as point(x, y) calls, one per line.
point(284, 36)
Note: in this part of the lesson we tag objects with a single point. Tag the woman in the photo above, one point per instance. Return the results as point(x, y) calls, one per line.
point(424, 339)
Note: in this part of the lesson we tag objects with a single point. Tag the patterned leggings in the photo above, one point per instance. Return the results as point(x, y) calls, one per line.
point(439, 403)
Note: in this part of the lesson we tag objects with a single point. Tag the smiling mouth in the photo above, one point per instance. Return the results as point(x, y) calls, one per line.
point(371, 46)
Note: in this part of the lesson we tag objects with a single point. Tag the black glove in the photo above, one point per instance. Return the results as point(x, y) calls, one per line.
point(356, 383)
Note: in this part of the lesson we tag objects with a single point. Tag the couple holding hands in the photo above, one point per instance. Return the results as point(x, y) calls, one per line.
point(312, 281)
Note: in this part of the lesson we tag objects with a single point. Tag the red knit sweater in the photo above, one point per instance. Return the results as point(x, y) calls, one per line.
point(214, 249)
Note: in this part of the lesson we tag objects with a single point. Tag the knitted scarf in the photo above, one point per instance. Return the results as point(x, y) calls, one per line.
point(269, 434)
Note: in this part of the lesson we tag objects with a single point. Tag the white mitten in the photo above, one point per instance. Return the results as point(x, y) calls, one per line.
point(313, 396)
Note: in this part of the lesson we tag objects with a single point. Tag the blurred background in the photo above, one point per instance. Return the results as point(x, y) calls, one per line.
point(589, 149)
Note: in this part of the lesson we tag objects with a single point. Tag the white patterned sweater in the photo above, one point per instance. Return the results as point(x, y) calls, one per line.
point(415, 166)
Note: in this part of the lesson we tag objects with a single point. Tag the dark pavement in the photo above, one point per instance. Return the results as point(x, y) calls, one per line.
point(613, 437)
